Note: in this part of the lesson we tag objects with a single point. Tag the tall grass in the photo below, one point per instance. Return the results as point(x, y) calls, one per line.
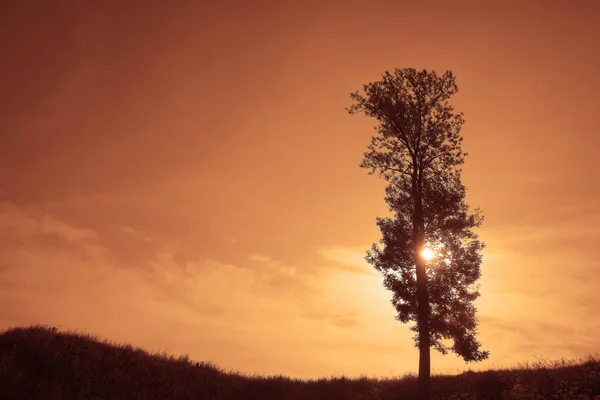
point(40, 362)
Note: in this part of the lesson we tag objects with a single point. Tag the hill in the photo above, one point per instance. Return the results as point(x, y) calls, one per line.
point(40, 362)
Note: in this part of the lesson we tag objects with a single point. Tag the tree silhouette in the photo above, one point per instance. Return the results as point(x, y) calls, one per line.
point(418, 152)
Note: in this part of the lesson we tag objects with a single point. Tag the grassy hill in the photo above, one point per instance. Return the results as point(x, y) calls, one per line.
point(42, 363)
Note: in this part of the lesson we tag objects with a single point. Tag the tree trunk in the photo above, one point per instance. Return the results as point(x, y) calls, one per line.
point(424, 380)
point(424, 383)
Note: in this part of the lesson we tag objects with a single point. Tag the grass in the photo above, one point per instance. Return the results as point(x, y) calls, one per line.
point(40, 362)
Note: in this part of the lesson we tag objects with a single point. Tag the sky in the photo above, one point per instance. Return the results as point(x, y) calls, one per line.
point(183, 176)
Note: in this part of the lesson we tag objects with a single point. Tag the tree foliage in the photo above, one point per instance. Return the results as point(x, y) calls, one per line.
point(451, 275)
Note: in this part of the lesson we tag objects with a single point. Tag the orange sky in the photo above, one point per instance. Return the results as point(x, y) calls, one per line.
point(183, 175)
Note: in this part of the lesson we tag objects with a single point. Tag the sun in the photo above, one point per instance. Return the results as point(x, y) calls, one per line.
point(427, 254)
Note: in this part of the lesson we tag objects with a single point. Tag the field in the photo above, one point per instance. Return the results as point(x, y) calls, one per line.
point(40, 362)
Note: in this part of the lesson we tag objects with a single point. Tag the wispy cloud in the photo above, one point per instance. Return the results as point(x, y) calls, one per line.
point(136, 234)
point(350, 259)
point(29, 223)
point(80, 282)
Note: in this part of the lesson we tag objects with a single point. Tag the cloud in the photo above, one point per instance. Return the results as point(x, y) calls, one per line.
point(24, 224)
point(527, 338)
point(259, 258)
point(274, 266)
point(136, 234)
point(350, 259)
point(234, 314)
point(340, 318)
point(59, 280)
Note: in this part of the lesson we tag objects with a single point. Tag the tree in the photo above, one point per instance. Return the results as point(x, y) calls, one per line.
point(418, 152)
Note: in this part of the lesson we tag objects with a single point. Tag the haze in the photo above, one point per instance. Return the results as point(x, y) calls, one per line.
point(183, 176)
